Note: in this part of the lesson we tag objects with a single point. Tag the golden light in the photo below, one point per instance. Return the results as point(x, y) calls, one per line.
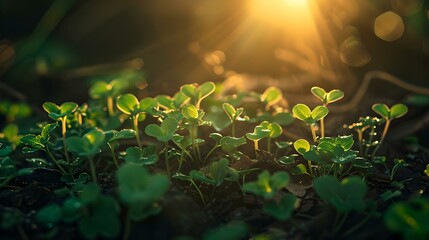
point(389, 26)
point(293, 14)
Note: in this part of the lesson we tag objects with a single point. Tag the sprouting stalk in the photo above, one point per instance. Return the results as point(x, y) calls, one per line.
point(233, 128)
point(54, 160)
point(371, 137)
point(209, 153)
point(91, 165)
point(136, 129)
point(360, 137)
point(63, 133)
point(383, 136)
point(181, 160)
point(167, 162)
point(310, 168)
point(110, 106)
point(199, 191)
point(269, 144)
point(313, 132)
point(112, 152)
point(322, 127)
point(339, 224)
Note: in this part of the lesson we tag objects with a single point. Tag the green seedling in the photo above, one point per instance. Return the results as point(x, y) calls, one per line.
point(409, 218)
point(345, 196)
point(193, 118)
point(360, 128)
point(96, 214)
point(265, 129)
point(219, 172)
point(271, 96)
point(163, 133)
point(87, 146)
point(198, 92)
point(108, 91)
point(388, 114)
point(14, 111)
point(234, 114)
point(267, 185)
point(113, 137)
point(310, 117)
point(281, 209)
point(11, 134)
point(329, 150)
point(172, 103)
point(140, 191)
point(33, 143)
point(146, 156)
point(61, 113)
point(228, 144)
point(131, 106)
point(326, 98)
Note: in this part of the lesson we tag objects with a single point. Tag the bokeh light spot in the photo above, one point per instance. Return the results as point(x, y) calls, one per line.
point(354, 53)
point(389, 26)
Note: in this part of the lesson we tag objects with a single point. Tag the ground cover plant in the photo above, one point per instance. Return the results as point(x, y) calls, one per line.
point(202, 165)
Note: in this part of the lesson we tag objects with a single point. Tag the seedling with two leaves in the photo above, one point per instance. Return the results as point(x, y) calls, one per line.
point(268, 186)
point(265, 130)
point(112, 137)
point(234, 114)
point(197, 93)
point(326, 98)
point(108, 92)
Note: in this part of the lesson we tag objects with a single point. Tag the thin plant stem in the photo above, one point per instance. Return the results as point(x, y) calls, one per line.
point(54, 160)
point(310, 168)
point(322, 127)
point(136, 129)
point(340, 223)
point(63, 133)
point(91, 165)
point(181, 161)
point(112, 151)
point(313, 132)
point(371, 137)
point(110, 106)
point(194, 151)
point(199, 191)
point(383, 136)
point(359, 132)
point(167, 162)
point(269, 144)
point(233, 129)
point(209, 153)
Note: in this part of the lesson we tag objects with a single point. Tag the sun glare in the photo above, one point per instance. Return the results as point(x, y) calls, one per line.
point(294, 14)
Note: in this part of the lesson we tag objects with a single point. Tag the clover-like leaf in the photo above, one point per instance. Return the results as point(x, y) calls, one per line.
point(145, 156)
point(381, 109)
point(334, 95)
point(301, 146)
point(127, 103)
point(344, 196)
point(282, 209)
point(230, 144)
point(56, 112)
point(319, 112)
point(190, 112)
point(88, 145)
point(301, 111)
point(398, 110)
point(267, 186)
point(271, 96)
point(164, 132)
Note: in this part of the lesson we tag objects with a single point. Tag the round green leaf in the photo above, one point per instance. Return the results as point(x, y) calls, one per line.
point(398, 110)
point(127, 103)
point(147, 103)
point(319, 112)
point(169, 125)
point(190, 112)
point(334, 95)
point(381, 109)
point(189, 90)
point(275, 130)
point(301, 146)
point(271, 96)
point(301, 111)
point(319, 93)
point(206, 89)
point(50, 107)
point(68, 108)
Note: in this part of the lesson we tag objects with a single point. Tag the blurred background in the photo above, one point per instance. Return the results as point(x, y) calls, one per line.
point(52, 50)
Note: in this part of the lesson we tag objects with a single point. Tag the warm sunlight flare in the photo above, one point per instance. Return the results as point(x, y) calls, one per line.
point(292, 14)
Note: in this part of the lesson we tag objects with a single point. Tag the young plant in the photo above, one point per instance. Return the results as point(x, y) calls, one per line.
point(163, 133)
point(326, 98)
point(265, 129)
point(193, 119)
point(219, 172)
point(310, 117)
point(140, 191)
point(113, 137)
point(268, 187)
point(61, 113)
point(146, 156)
point(271, 96)
point(345, 196)
point(87, 146)
point(396, 111)
point(33, 143)
point(107, 91)
point(228, 144)
point(234, 114)
point(198, 92)
point(131, 106)
point(96, 214)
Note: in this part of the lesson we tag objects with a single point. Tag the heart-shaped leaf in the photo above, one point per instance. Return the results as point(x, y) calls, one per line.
point(206, 89)
point(190, 112)
point(301, 111)
point(319, 112)
point(398, 110)
point(271, 96)
point(127, 103)
point(334, 95)
point(145, 156)
point(319, 93)
point(381, 109)
point(301, 146)
point(344, 196)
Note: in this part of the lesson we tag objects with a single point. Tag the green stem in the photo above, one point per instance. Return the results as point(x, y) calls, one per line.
point(91, 165)
point(167, 162)
point(233, 129)
point(383, 136)
point(112, 151)
point(110, 106)
point(310, 168)
point(63, 133)
point(371, 137)
point(269, 144)
point(136, 129)
point(209, 153)
point(54, 160)
point(181, 161)
point(199, 191)
point(359, 132)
